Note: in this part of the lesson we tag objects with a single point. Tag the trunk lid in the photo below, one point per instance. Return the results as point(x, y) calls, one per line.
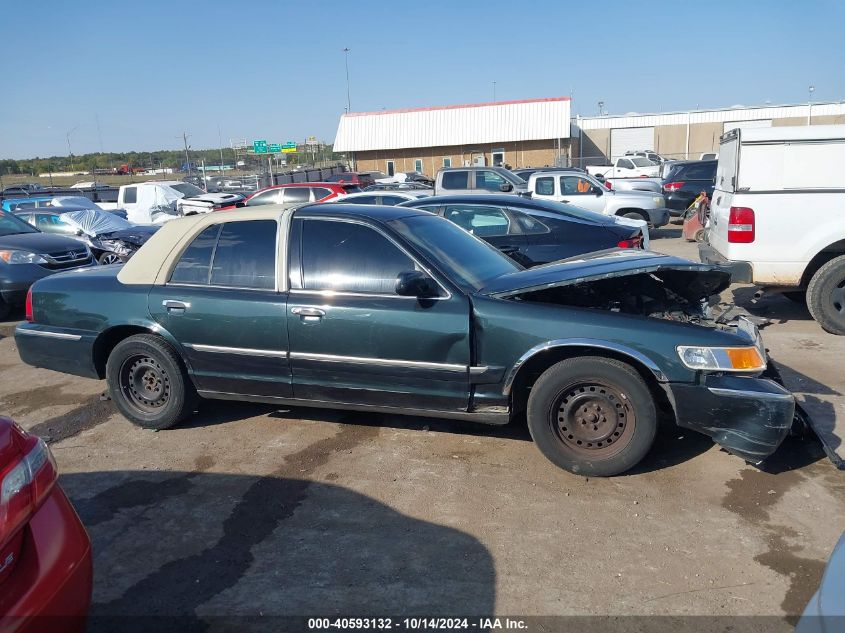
point(691, 280)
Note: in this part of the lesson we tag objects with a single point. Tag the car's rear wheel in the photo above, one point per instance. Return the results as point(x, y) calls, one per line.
point(148, 382)
point(826, 296)
point(109, 258)
point(592, 416)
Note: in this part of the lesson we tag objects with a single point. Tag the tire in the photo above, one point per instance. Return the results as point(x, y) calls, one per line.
point(108, 258)
point(148, 382)
point(826, 296)
point(579, 391)
point(633, 215)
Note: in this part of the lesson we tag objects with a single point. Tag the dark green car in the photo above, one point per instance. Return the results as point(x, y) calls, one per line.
point(399, 311)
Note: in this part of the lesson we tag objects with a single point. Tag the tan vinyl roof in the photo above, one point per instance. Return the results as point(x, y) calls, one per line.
point(152, 261)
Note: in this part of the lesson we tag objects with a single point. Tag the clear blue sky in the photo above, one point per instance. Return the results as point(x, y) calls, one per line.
point(274, 70)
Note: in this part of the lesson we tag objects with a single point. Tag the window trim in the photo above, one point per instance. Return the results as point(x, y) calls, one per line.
point(350, 293)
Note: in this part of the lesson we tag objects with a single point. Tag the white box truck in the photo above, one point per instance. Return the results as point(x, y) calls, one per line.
point(777, 216)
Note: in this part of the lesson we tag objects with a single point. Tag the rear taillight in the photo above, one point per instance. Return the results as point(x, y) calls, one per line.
point(635, 242)
point(669, 187)
point(28, 314)
point(741, 225)
point(25, 485)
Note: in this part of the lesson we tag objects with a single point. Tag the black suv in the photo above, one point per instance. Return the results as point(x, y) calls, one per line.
point(685, 180)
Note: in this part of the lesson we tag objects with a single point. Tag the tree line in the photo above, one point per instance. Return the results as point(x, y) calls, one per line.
point(162, 159)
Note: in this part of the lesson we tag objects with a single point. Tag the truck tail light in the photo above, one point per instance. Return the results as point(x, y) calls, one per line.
point(741, 225)
point(28, 314)
point(669, 187)
point(25, 484)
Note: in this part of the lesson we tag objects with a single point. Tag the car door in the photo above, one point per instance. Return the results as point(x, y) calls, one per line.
point(353, 339)
point(581, 192)
point(222, 304)
point(492, 224)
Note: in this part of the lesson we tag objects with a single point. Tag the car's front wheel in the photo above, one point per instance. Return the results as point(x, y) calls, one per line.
point(148, 382)
point(592, 416)
point(109, 258)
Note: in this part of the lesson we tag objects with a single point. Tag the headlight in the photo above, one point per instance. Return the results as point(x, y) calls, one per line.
point(659, 201)
point(21, 257)
point(722, 358)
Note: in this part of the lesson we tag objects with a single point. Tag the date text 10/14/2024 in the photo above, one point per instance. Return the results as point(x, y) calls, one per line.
point(417, 624)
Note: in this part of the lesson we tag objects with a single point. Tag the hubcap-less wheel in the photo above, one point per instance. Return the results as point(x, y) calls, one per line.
point(837, 298)
point(109, 258)
point(593, 418)
point(145, 383)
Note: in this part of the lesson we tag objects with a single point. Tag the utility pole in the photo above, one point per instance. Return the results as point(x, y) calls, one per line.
point(220, 145)
point(187, 156)
point(346, 61)
point(810, 89)
point(70, 153)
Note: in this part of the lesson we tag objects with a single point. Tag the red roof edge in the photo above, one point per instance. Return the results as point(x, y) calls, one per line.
point(455, 107)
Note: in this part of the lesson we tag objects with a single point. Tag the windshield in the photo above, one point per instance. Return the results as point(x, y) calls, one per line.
point(641, 161)
point(10, 225)
point(468, 260)
point(188, 190)
point(570, 210)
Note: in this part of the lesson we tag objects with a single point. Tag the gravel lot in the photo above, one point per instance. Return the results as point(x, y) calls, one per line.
point(257, 510)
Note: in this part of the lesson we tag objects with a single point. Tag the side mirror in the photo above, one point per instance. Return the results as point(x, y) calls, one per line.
point(596, 190)
point(414, 283)
point(506, 186)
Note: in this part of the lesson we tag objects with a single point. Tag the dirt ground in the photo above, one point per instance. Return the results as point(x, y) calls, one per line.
point(255, 510)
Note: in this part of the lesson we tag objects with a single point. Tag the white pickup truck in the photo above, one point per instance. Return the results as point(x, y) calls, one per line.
point(777, 218)
point(158, 201)
point(626, 167)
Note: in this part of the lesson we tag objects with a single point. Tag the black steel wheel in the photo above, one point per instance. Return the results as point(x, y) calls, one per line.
point(148, 382)
point(592, 416)
point(826, 296)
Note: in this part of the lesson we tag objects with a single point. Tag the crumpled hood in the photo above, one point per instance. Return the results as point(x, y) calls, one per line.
point(137, 235)
point(689, 279)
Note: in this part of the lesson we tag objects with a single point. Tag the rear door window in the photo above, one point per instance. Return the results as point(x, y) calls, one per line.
point(455, 180)
point(296, 194)
point(544, 186)
point(245, 256)
point(265, 197)
point(480, 220)
point(53, 224)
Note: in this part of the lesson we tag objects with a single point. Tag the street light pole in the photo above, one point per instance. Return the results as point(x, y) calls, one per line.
point(346, 62)
point(187, 157)
point(810, 89)
point(494, 92)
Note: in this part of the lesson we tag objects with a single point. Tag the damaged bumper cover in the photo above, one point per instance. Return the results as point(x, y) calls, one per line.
point(746, 416)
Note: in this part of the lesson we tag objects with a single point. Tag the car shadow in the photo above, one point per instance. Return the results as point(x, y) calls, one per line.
point(199, 551)
point(771, 305)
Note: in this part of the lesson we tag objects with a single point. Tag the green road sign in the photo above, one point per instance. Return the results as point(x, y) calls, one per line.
point(259, 147)
point(289, 145)
point(275, 148)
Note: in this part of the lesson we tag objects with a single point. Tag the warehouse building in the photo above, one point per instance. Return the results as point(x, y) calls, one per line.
point(539, 132)
point(515, 133)
point(685, 134)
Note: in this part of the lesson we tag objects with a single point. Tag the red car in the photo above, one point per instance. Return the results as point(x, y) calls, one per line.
point(299, 192)
point(45, 553)
point(362, 179)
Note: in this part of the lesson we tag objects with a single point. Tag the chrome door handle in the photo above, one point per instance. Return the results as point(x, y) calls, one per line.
point(175, 306)
point(308, 314)
point(565, 201)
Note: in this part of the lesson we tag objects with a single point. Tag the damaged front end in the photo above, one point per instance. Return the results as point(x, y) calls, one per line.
point(735, 396)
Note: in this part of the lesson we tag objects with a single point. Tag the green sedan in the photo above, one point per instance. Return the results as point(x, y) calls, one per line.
point(398, 311)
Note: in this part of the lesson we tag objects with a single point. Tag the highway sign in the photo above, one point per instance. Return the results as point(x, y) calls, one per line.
point(259, 147)
point(275, 148)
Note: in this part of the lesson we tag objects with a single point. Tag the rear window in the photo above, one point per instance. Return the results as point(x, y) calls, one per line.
point(544, 186)
point(351, 188)
point(701, 171)
point(455, 180)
